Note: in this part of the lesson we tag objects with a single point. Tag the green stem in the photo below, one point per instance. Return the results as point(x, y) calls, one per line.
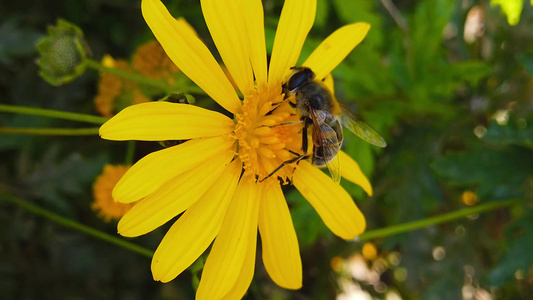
point(405, 227)
point(372, 234)
point(50, 131)
point(75, 225)
point(131, 76)
point(130, 153)
point(52, 113)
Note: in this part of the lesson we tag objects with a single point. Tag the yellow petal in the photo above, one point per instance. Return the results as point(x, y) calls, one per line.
point(172, 198)
point(281, 254)
point(224, 264)
point(328, 81)
point(247, 271)
point(158, 121)
point(335, 48)
point(332, 203)
point(350, 171)
point(189, 54)
point(194, 231)
point(225, 20)
point(156, 168)
point(255, 26)
point(297, 17)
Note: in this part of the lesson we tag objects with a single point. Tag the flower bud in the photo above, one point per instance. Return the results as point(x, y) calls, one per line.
point(62, 53)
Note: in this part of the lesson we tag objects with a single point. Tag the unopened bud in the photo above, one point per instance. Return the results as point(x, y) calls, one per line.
point(62, 53)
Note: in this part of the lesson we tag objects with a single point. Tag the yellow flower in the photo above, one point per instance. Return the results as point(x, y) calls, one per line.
point(115, 93)
point(369, 251)
point(213, 177)
point(469, 198)
point(103, 186)
point(151, 61)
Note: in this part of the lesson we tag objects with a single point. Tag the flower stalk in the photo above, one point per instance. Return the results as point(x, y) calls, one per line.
point(130, 153)
point(75, 225)
point(131, 76)
point(448, 217)
point(369, 235)
point(52, 113)
point(50, 131)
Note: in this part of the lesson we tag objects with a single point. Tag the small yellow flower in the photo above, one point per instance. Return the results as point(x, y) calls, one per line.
point(337, 264)
point(115, 93)
point(151, 61)
point(212, 179)
point(469, 198)
point(370, 252)
point(102, 188)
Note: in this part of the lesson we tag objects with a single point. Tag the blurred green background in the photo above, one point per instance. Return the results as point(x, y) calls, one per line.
point(447, 83)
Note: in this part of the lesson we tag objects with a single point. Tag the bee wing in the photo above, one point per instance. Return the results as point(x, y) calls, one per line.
point(323, 134)
point(360, 128)
point(334, 166)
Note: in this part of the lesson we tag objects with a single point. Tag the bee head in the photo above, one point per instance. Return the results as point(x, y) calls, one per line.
point(300, 76)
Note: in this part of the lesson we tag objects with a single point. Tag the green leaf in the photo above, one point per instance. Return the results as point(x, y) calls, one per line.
point(427, 25)
point(526, 59)
point(469, 71)
point(519, 256)
point(270, 34)
point(449, 77)
point(446, 288)
point(322, 11)
point(498, 173)
point(361, 11)
point(510, 134)
point(411, 189)
point(57, 175)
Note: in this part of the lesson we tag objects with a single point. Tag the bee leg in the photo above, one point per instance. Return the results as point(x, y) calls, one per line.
point(293, 105)
point(305, 139)
point(285, 124)
point(286, 99)
point(277, 104)
point(290, 161)
point(305, 145)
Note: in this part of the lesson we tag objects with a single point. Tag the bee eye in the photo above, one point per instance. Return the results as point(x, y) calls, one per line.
point(300, 78)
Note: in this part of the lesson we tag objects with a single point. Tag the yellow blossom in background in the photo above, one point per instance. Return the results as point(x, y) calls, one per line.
point(103, 203)
point(151, 61)
point(213, 178)
point(369, 251)
point(109, 87)
point(114, 92)
point(469, 198)
point(337, 264)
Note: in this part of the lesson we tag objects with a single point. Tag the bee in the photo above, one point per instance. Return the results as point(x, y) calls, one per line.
point(320, 111)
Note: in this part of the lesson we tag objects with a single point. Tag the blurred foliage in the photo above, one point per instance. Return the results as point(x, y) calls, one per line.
point(447, 83)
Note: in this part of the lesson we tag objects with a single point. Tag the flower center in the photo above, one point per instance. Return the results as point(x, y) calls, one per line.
point(269, 133)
